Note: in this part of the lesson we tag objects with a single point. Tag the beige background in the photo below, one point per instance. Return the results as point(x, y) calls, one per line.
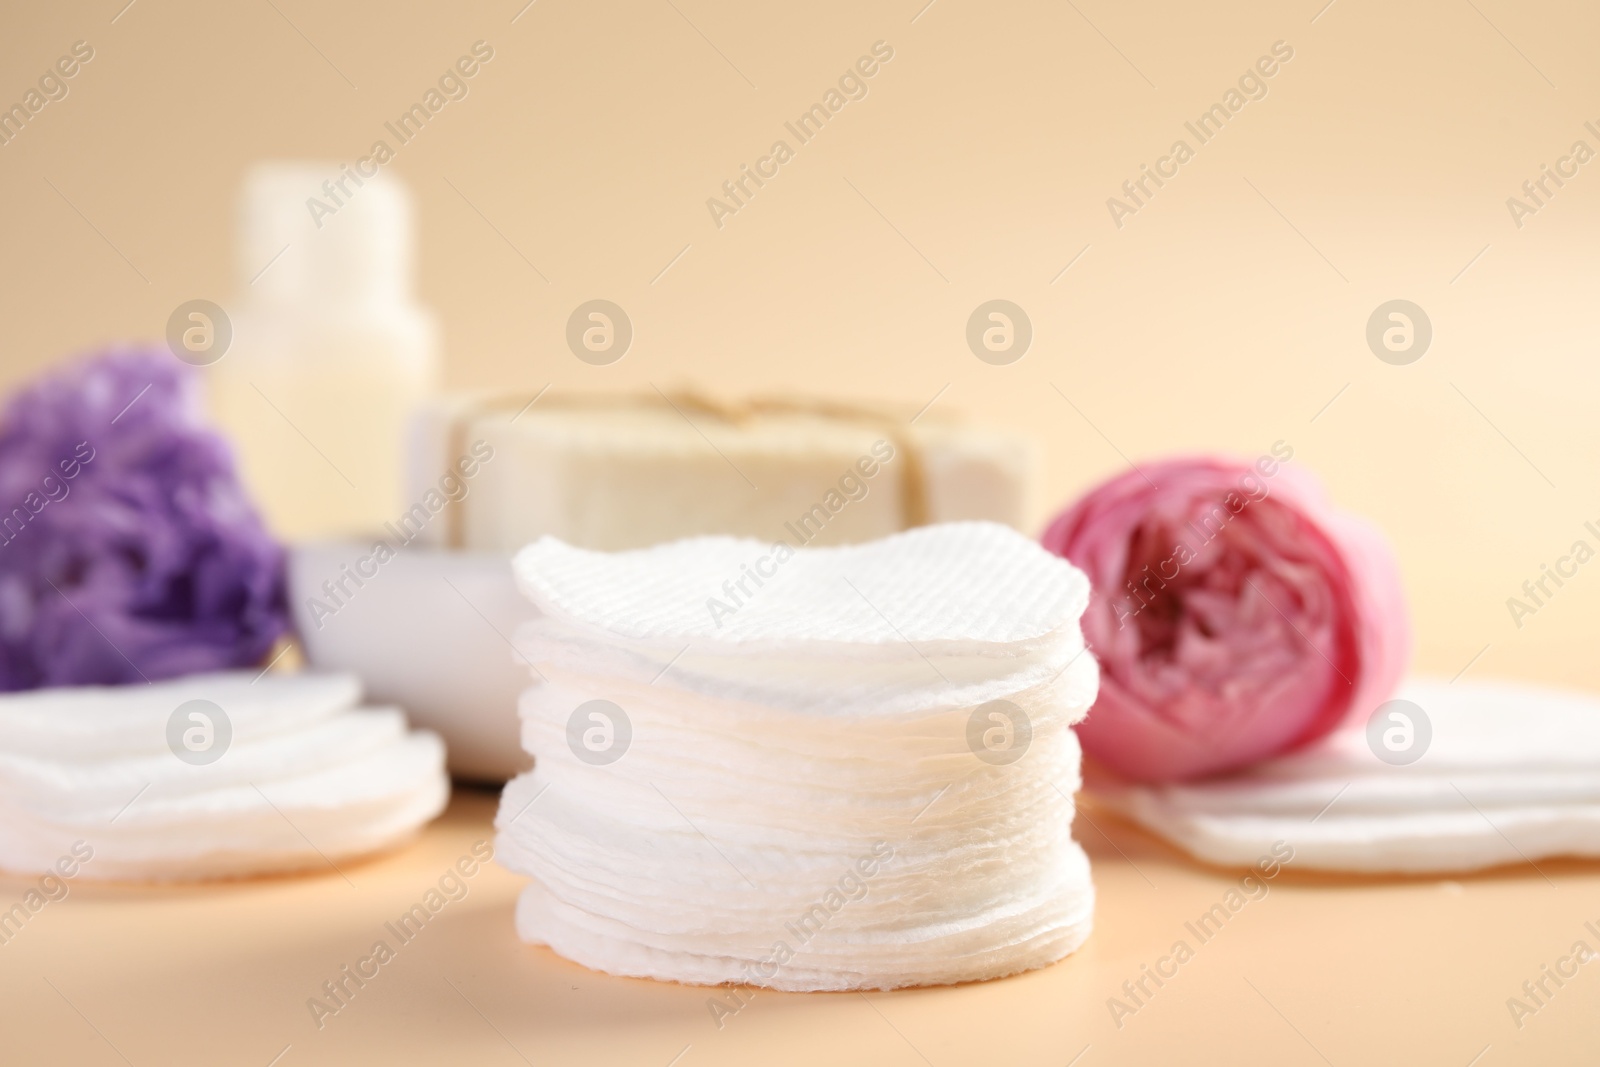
point(1226, 314)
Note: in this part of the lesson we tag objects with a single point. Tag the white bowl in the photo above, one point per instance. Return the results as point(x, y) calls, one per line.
point(430, 631)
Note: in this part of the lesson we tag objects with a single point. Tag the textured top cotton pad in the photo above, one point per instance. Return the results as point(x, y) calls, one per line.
point(973, 586)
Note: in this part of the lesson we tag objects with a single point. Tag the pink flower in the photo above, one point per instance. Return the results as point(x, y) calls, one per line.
point(1236, 614)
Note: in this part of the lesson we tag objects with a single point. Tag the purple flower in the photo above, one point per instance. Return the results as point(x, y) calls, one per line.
point(128, 549)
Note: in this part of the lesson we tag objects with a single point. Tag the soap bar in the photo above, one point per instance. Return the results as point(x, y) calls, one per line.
point(620, 472)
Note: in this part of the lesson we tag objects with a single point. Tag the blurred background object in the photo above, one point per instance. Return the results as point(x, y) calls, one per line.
point(329, 350)
point(433, 636)
point(623, 471)
point(1237, 614)
point(129, 551)
point(1229, 311)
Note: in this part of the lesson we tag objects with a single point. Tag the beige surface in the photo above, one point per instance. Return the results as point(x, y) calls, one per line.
point(1229, 313)
point(1344, 971)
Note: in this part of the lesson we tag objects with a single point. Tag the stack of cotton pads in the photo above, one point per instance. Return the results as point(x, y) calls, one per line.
point(211, 776)
point(823, 769)
point(1506, 774)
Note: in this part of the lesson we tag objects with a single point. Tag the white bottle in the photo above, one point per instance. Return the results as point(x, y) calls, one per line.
point(330, 354)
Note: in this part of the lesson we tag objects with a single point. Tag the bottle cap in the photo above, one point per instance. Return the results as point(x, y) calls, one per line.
point(326, 235)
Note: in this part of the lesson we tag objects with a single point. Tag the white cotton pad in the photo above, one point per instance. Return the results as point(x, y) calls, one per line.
point(825, 798)
point(107, 783)
point(761, 775)
point(306, 779)
point(805, 679)
point(666, 882)
point(847, 950)
point(1430, 842)
point(1511, 774)
point(303, 823)
point(87, 722)
point(965, 587)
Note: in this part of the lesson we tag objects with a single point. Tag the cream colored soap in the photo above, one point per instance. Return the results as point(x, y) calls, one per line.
point(628, 472)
